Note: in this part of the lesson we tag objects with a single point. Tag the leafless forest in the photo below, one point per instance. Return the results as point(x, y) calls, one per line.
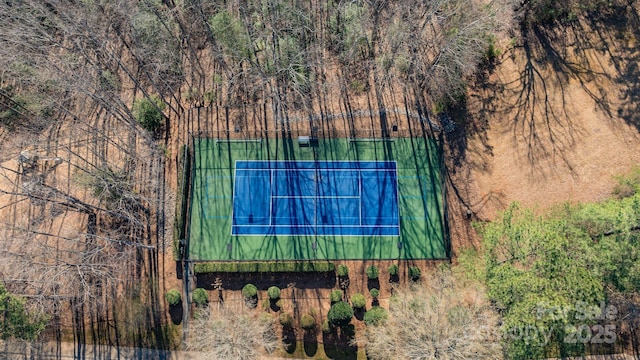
point(86, 192)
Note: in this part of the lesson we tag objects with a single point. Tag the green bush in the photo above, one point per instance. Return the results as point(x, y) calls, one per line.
point(273, 292)
point(10, 114)
point(336, 295)
point(17, 321)
point(265, 318)
point(414, 273)
point(340, 314)
point(372, 272)
point(308, 322)
point(343, 270)
point(374, 293)
point(286, 319)
point(210, 97)
point(375, 316)
point(279, 303)
point(173, 297)
point(326, 327)
point(358, 301)
point(264, 267)
point(249, 291)
point(148, 112)
point(627, 185)
point(393, 270)
point(231, 34)
point(200, 296)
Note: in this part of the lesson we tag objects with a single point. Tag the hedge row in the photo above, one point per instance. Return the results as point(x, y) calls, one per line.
point(264, 267)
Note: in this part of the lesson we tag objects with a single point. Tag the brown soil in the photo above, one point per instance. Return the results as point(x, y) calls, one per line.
point(554, 120)
point(309, 293)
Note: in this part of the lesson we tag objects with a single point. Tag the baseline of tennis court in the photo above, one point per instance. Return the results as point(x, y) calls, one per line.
point(276, 200)
point(348, 198)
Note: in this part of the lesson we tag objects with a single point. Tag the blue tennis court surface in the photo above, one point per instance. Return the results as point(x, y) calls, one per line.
point(348, 198)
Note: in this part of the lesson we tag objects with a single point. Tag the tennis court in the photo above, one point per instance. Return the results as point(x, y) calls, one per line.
point(341, 198)
point(273, 199)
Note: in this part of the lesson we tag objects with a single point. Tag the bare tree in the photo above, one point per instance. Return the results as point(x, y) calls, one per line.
point(232, 332)
point(437, 45)
point(80, 181)
point(442, 318)
point(83, 208)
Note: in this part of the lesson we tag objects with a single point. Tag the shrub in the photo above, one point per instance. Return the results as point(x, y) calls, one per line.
point(200, 296)
point(148, 112)
point(173, 297)
point(279, 303)
point(358, 301)
point(414, 272)
point(372, 272)
point(229, 31)
point(343, 270)
point(266, 318)
point(210, 97)
point(249, 291)
point(326, 327)
point(273, 292)
point(375, 316)
point(393, 270)
point(374, 293)
point(308, 322)
point(286, 319)
point(336, 295)
point(340, 314)
point(627, 185)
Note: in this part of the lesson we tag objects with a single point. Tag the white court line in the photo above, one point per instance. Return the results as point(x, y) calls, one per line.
point(313, 197)
point(324, 161)
point(287, 172)
point(271, 196)
point(233, 197)
point(314, 234)
point(397, 189)
point(311, 227)
point(314, 170)
point(360, 194)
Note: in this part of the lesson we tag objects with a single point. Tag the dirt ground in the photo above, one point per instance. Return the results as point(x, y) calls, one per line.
point(309, 294)
point(554, 120)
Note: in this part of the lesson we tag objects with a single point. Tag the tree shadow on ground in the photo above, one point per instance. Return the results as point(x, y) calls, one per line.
point(373, 284)
point(594, 57)
point(559, 55)
point(179, 270)
point(338, 344)
point(310, 343)
point(289, 339)
point(618, 32)
point(176, 313)
point(358, 313)
point(394, 279)
point(273, 305)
